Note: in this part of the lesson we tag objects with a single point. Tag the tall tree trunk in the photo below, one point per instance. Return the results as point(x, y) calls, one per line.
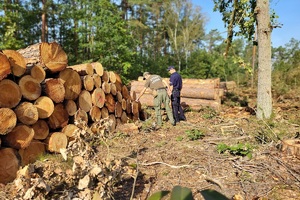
point(44, 37)
point(264, 95)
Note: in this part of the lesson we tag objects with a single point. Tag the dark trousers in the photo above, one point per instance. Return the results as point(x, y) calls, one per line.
point(177, 109)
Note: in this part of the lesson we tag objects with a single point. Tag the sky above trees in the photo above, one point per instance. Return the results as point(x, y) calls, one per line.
point(286, 10)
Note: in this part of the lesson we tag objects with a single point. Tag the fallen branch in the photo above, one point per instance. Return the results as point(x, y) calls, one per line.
point(212, 180)
point(162, 163)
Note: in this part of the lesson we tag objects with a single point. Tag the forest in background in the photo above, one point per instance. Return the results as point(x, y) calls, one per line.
point(133, 36)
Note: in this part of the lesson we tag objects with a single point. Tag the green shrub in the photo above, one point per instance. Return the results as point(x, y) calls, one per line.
point(238, 149)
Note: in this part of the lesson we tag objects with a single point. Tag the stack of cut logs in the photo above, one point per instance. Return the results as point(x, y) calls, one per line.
point(43, 101)
point(195, 93)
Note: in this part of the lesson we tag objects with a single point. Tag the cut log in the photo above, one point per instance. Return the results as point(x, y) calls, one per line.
point(106, 87)
point(59, 117)
point(129, 128)
point(19, 138)
point(125, 92)
point(124, 104)
point(104, 113)
point(8, 120)
point(112, 122)
point(4, 66)
point(113, 89)
point(118, 82)
point(135, 107)
point(71, 107)
point(197, 104)
point(88, 82)
point(17, 62)
point(200, 93)
point(83, 69)
point(97, 80)
point(10, 94)
point(112, 77)
point(110, 103)
point(32, 152)
point(124, 118)
point(118, 109)
point(27, 113)
point(32, 55)
point(129, 106)
point(45, 106)
point(95, 114)
point(70, 130)
point(291, 147)
point(38, 73)
point(98, 97)
point(105, 76)
point(72, 83)
point(55, 90)
point(119, 96)
point(9, 165)
point(85, 101)
point(41, 130)
point(30, 88)
point(98, 68)
point(53, 56)
point(56, 141)
point(133, 95)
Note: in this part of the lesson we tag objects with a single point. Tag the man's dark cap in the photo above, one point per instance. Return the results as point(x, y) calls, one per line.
point(170, 67)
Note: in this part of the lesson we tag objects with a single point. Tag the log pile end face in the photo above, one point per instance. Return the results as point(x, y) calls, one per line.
point(10, 94)
point(5, 68)
point(9, 165)
point(17, 62)
point(8, 120)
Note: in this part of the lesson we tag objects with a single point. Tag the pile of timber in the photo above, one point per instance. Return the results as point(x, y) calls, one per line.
point(43, 102)
point(195, 93)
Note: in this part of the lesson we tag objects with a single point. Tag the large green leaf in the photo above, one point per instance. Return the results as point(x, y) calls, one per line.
point(158, 195)
point(213, 195)
point(181, 193)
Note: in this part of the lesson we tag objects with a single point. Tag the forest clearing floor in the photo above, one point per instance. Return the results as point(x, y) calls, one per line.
point(187, 154)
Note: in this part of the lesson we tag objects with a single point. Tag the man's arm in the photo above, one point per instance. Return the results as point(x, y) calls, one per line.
point(141, 94)
point(169, 87)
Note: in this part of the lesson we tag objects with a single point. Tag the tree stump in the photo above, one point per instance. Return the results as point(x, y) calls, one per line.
point(291, 147)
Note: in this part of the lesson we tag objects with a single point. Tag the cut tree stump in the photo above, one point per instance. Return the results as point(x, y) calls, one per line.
point(4, 66)
point(56, 141)
point(45, 107)
point(30, 88)
point(17, 62)
point(10, 94)
point(9, 165)
point(291, 147)
point(72, 83)
point(32, 152)
point(27, 113)
point(20, 137)
point(8, 120)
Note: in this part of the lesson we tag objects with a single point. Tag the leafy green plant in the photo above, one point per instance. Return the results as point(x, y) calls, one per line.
point(194, 134)
point(183, 193)
point(179, 138)
point(238, 149)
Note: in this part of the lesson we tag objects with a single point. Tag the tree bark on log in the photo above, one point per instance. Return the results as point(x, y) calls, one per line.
point(72, 83)
point(17, 62)
point(41, 130)
point(27, 113)
point(9, 165)
point(5, 69)
point(55, 90)
point(32, 152)
point(11, 94)
point(8, 120)
point(20, 137)
point(45, 107)
point(30, 88)
point(56, 141)
point(83, 69)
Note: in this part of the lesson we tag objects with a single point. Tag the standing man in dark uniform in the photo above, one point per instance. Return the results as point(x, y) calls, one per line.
point(159, 88)
point(175, 87)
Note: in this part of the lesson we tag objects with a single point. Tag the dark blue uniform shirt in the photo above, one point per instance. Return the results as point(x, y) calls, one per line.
point(176, 81)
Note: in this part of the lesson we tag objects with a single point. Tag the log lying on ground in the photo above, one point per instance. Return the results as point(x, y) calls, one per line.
point(32, 152)
point(8, 120)
point(10, 94)
point(9, 165)
point(5, 68)
point(56, 141)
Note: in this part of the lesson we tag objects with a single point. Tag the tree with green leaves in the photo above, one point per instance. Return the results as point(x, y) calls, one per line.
point(248, 14)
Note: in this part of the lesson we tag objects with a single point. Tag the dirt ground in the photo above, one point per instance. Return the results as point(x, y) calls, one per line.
point(187, 155)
